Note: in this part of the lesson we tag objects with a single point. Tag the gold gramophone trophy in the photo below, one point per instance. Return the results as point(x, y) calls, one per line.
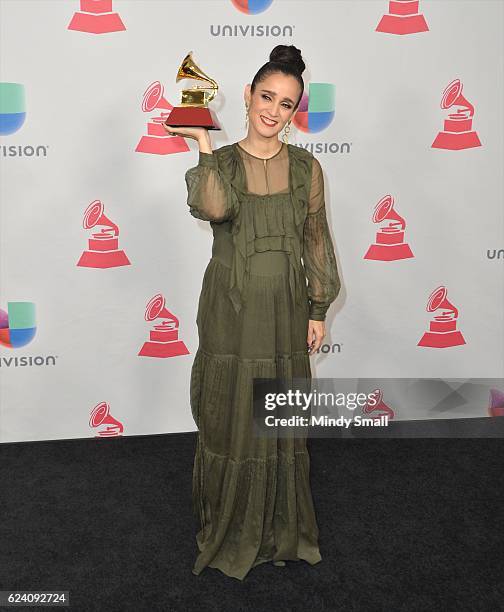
point(194, 111)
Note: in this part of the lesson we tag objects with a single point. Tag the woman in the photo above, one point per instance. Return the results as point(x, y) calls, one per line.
point(256, 315)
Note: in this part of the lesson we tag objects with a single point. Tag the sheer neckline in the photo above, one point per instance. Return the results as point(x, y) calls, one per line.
point(241, 163)
point(261, 158)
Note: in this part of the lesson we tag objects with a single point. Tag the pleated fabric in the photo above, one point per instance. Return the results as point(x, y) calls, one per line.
point(251, 494)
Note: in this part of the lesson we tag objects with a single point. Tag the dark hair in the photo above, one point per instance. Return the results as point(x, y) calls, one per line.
point(286, 59)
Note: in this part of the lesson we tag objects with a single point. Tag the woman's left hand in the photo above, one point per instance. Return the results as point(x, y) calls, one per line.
point(316, 333)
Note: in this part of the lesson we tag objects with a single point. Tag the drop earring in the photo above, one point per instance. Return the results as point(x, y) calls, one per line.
point(246, 116)
point(285, 136)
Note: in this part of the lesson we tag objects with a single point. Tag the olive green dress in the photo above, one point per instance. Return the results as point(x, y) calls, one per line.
point(251, 494)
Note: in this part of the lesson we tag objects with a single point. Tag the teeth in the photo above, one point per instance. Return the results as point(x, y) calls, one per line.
point(267, 121)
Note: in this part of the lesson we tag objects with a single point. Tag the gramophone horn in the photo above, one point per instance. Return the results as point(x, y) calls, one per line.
point(94, 215)
point(190, 70)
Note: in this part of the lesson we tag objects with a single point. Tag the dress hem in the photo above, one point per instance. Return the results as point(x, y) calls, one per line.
point(241, 576)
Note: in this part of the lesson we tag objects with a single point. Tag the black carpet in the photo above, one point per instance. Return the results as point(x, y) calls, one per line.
point(405, 525)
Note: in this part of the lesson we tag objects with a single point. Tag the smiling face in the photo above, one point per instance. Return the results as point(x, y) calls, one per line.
point(272, 104)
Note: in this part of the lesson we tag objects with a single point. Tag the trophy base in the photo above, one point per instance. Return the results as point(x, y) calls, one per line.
point(193, 116)
point(163, 349)
point(442, 340)
point(388, 252)
point(456, 142)
point(112, 259)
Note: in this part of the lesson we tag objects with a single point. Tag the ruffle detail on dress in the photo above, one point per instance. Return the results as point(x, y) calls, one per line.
point(267, 223)
point(301, 172)
point(230, 166)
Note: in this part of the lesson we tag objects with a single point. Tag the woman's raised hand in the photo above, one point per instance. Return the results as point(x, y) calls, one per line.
point(197, 133)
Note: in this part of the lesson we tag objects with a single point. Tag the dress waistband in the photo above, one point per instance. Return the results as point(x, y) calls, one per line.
point(267, 263)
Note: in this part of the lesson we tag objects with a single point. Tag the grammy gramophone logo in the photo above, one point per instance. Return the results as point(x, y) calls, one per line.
point(442, 331)
point(389, 244)
point(157, 141)
point(163, 337)
point(403, 18)
point(96, 17)
point(103, 251)
point(457, 133)
point(378, 408)
point(105, 425)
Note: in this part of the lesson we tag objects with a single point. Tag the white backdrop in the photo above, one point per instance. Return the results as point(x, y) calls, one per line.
point(83, 96)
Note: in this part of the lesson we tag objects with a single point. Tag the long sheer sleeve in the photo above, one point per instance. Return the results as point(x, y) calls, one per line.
point(318, 251)
point(210, 196)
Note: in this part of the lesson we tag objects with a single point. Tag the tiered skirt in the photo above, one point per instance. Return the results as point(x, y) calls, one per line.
point(251, 493)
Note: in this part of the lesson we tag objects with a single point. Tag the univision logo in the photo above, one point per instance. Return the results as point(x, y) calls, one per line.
point(251, 30)
point(330, 349)
point(316, 108)
point(12, 107)
point(17, 325)
point(23, 151)
point(17, 329)
point(252, 7)
point(12, 118)
point(37, 360)
point(315, 113)
point(324, 147)
point(495, 254)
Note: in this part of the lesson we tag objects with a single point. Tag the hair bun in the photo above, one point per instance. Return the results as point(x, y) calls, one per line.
point(288, 54)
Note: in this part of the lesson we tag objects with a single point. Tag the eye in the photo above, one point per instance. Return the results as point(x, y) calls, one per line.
point(285, 104)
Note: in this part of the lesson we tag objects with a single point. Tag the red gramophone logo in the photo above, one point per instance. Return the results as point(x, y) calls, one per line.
point(496, 403)
point(104, 423)
point(389, 245)
point(378, 409)
point(164, 340)
point(96, 17)
point(442, 327)
point(458, 133)
point(104, 249)
point(403, 18)
point(157, 140)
